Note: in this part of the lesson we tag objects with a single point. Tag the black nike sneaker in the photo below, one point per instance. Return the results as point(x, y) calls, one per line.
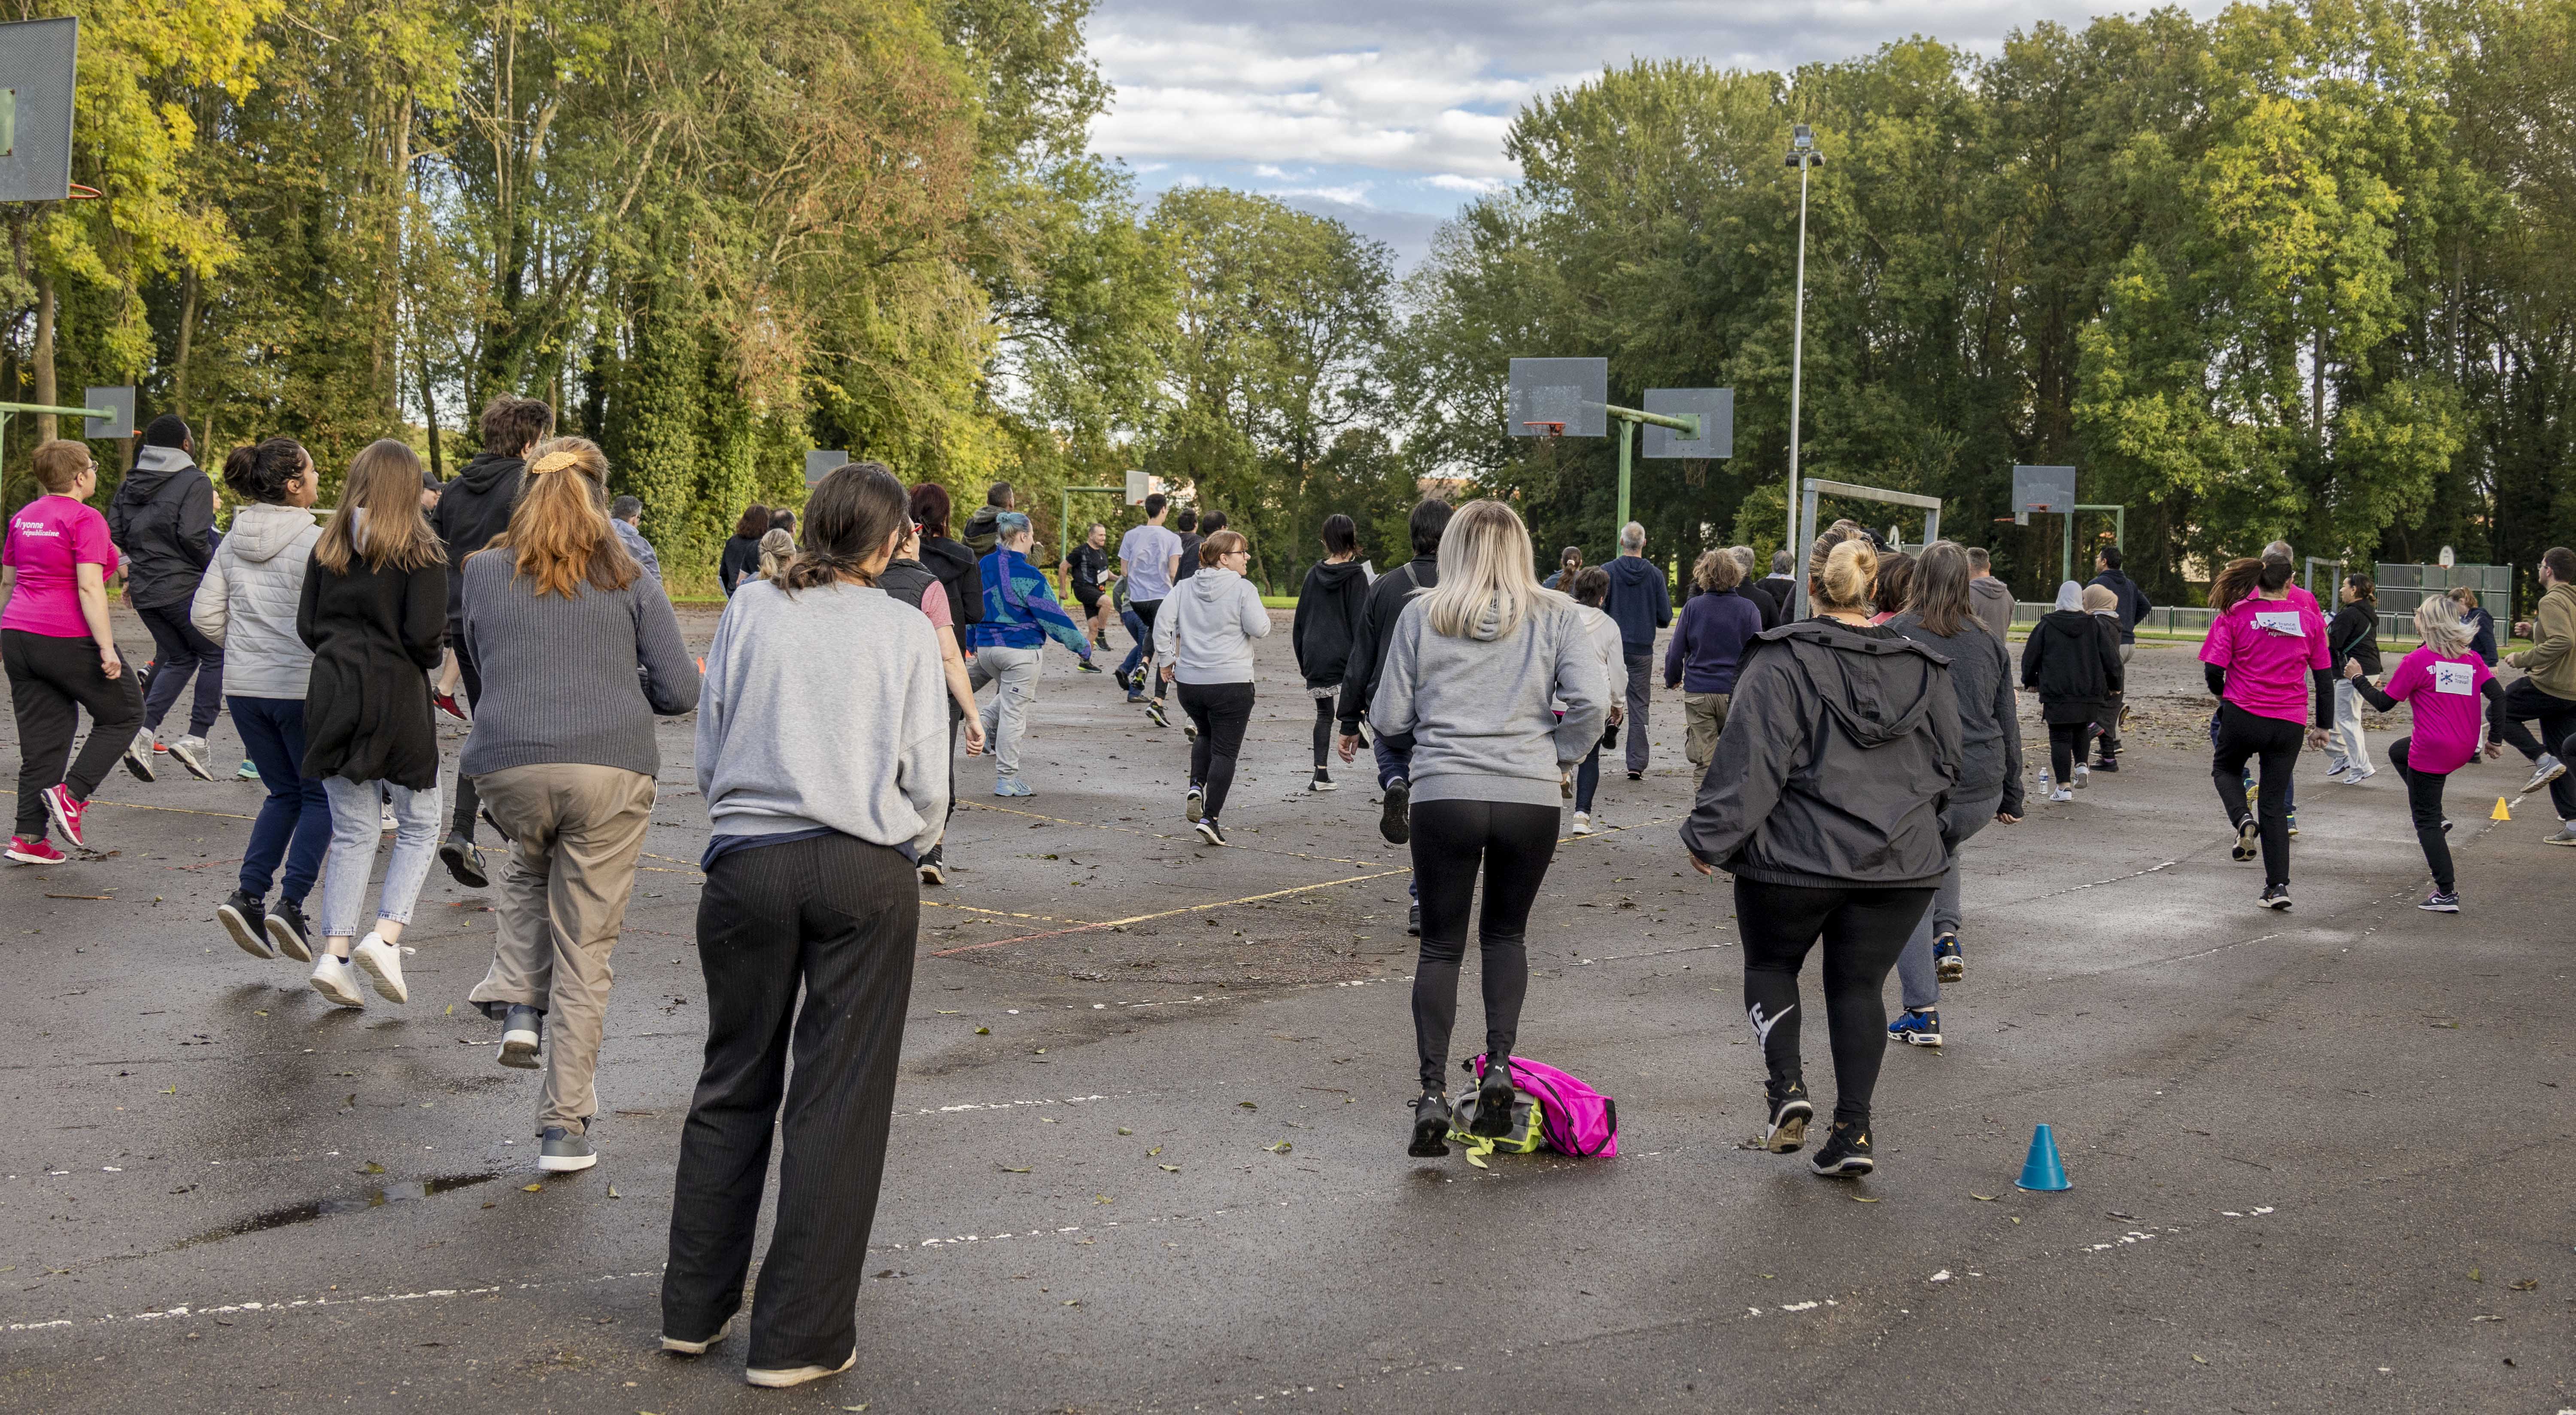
point(1845, 1153)
point(1790, 1112)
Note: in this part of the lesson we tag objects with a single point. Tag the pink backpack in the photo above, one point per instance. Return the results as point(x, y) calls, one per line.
point(1580, 1121)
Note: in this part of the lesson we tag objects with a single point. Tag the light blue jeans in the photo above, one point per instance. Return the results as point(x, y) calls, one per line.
point(1915, 974)
point(355, 827)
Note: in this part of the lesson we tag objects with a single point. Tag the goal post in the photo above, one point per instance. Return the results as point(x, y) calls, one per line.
point(1815, 487)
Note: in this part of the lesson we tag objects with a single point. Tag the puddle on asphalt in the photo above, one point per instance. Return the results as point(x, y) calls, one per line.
point(375, 1197)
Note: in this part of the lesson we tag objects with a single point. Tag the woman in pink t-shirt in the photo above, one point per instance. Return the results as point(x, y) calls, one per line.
point(2444, 681)
point(2264, 655)
point(60, 651)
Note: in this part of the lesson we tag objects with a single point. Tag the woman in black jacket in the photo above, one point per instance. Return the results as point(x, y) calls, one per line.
point(163, 518)
point(2352, 636)
point(2073, 659)
point(741, 559)
point(1328, 618)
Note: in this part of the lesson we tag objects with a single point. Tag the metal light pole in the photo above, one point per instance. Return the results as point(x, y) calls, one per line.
point(1802, 155)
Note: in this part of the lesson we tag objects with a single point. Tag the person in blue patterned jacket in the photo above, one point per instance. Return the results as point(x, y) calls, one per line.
point(1020, 614)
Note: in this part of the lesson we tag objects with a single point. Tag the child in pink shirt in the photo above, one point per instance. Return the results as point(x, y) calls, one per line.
point(2443, 683)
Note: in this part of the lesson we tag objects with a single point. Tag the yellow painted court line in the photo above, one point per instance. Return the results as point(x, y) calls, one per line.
point(1156, 835)
point(1171, 913)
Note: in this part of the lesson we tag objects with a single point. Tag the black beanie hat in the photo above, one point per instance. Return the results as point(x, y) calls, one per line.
point(167, 430)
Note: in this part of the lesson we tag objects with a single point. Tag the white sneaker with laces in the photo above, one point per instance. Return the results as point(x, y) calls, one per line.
point(382, 962)
point(2544, 769)
point(337, 981)
point(2061, 794)
point(1583, 822)
point(190, 752)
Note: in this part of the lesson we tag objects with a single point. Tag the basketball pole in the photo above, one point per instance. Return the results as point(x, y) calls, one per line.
point(6, 409)
point(1803, 155)
point(1628, 419)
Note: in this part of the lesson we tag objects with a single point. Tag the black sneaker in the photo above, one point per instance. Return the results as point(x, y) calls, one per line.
point(2248, 840)
point(1154, 713)
point(1845, 1153)
point(1323, 781)
point(1413, 919)
point(1636, 776)
point(2441, 901)
point(1430, 1125)
point(1194, 806)
point(1087, 666)
point(1393, 820)
point(242, 917)
point(1208, 831)
point(287, 929)
point(934, 868)
point(2275, 896)
point(458, 854)
point(1494, 1097)
point(1948, 963)
point(2109, 764)
point(1790, 1112)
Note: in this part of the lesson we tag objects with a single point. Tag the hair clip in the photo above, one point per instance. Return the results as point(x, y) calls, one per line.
point(553, 462)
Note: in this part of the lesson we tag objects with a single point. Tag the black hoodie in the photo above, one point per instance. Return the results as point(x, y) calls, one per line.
point(956, 568)
point(1385, 604)
point(983, 529)
point(2073, 659)
point(1329, 605)
point(159, 520)
point(473, 509)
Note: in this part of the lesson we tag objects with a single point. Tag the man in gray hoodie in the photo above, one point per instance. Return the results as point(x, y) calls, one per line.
point(1989, 597)
point(163, 519)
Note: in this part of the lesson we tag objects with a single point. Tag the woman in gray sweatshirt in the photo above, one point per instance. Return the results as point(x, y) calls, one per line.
point(1471, 670)
point(1203, 639)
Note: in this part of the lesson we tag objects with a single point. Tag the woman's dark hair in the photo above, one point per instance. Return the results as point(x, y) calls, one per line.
point(755, 519)
point(782, 519)
point(1591, 586)
point(2275, 572)
point(1187, 523)
point(262, 472)
point(1341, 535)
point(1211, 523)
point(2233, 582)
point(1895, 579)
point(850, 519)
point(2363, 591)
point(930, 506)
point(1571, 556)
point(1940, 596)
point(1430, 522)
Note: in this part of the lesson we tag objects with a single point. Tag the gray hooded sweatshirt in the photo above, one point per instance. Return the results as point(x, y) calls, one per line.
point(1477, 707)
point(1207, 625)
point(247, 600)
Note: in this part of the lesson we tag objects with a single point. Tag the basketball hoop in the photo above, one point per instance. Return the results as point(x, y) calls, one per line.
point(1542, 427)
point(77, 192)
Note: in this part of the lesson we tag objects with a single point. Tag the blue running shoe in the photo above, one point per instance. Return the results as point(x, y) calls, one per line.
point(1012, 786)
point(1948, 963)
point(1918, 1026)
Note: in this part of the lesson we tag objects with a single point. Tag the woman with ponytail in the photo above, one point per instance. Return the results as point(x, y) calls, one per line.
point(2264, 654)
point(1826, 801)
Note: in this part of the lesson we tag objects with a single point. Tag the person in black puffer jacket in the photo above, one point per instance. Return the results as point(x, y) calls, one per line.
point(2073, 659)
point(474, 508)
point(740, 560)
point(2353, 635)
point(1329, 605)
point(162, 519)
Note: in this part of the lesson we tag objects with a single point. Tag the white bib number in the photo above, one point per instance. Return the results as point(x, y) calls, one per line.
point(2284, 622)
point(2457, 679)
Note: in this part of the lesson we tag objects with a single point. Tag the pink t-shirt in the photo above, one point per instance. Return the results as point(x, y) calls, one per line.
point(2445, 693)
point(934, 602)
point(2268, 647)
point(48, 537)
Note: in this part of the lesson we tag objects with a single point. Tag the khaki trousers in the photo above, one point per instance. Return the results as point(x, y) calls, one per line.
point(1703, 718)
point(575, 831)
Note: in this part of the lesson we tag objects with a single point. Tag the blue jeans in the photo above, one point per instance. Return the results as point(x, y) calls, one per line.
point(354, 831)
point(1587, 779)
point(1392, 766)
point(1137, 631)
point(294, 823)
point(180, 653)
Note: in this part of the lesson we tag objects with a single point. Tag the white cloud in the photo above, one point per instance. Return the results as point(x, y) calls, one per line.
point(1474, 186)
point(1355, 194)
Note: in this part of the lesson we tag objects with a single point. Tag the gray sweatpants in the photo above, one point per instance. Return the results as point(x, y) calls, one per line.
point(1914, 972)
point(1641, 695)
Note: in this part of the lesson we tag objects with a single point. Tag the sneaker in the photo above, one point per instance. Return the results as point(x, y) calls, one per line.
point(67, 813)
point(564, 1152)
point(1845, 1153)
point(242, 917)
point(2359, 775)
point(190, 752)
point(1323, 781)
point(336, 980)
point(933, 866)
point(2564, 835)
point(1790, 1112)
point(1917, 1026)
point(2062, 794)
point(1636, 776)
point(446, 703)
point(2441, 901)
point(1194, 806)
point(1087, 666)
point(2083, 776)
point(1209, 832)
point(249, 771)
point(677, 1347)
point(2275, 896)
point(385, 822)
point(522, 1028)
point(1431, 1118)
point(2249, 841)
point(382, 962)
point(287, 929)
point(2544, 770)
point(1393, 818)
point(1189, 730)
point(778, 1378)
point(1583, 822)
point(39, 851)
point(1154, 713)
point(1565, 786)
point(138, 755)
point(1413, 919)
point(1012, 786)
point(2294, 820)
point(1948, 963)
point(1134, 697)
point(465, 862)
point(2338, 767)
point(2109, 764)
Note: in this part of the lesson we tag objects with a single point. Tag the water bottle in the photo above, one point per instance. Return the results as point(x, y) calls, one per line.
point(2044, 786)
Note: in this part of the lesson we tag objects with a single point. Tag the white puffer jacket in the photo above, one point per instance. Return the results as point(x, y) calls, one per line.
point(248, 598)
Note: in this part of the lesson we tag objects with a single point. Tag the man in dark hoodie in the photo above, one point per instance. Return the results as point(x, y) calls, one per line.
point(473, 509)
point(2134, 606)
point(1385, 603)
point(163, 521)
point(1782, 584)
point(984, 525)
point(1641, 602)
point(1329, 605)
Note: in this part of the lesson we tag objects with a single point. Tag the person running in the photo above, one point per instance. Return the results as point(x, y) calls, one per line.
point(1204, 642)
point(1470, 671)
point(1148, 558)
point(374, 610)
point(2262, 653)
point(1020, 615)
point(1941, 615)
point(2072, 659)
point(1991, 597)
point(1187, 524)
point(2546, 691)
point(1591, 587)
point(1140, 639)
point(1569, 563)
point(908, 580)
point(247, 604)
point(2132, 607)
point(984, 528)
point(579, 652)
point(821, 751)
point(741, 558)
point(1387, 597)
point(1717, 626)
point(474, 508)
point(1642, 603)
point(1084, 570)
point(60, 651)
point(2444, 681)
point(163, 519)
point(1829, 813)
point(2352, 637)
point(1329, 605)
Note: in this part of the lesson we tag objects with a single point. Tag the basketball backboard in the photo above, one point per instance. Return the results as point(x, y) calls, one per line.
point(820, 464)
point(38, 59)
point(2048, 489)
point(124, 424)
point(1715, 408)
point(1559, 397)
point(1141, 484)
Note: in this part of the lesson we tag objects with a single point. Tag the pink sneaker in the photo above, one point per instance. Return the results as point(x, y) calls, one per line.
point(34, 852)
point(66, 812)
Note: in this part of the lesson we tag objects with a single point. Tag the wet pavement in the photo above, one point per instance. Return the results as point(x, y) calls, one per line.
point(1148, 1149)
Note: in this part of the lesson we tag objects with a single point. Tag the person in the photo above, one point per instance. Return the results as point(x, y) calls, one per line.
point(1591, 587)
point(911, 582)
point(1329, 605)
point(163, 519)
point(1895, 578)
point(60, 651)
point(2479, 623)
point(1204, 643)
point(2132, 606)
point(1774, 613)
point(1782, 584)
point(1717, 625)
point(247, 603)
point(2352, 637)
point(1642, 603)
point(1084, 569)
point(1569, 563)
point(2546, 691)
point(1020, 615)
point(1829, 813)
point(1187, 523)
point(1470, 670)
point(1988, 595)
point(475, 509)
point(579, 652)
point(626, 516)
point(2443, 681)
point(777, 547)
point(1941, 616)
point(431, 488)
point(821, 750)
point(2262, 654)
point(984, 527)
point(1148, 557)
point(2103, 603)
point(782, 519)
point(1386, 600)
point(374, 610)
point(962, 576)
point(2072, 659)
point(1139, 638)
point(741, 558)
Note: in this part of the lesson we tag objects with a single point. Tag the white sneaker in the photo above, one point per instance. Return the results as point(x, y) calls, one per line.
point(2083, 776)
point(1583, 822)
point(2061, 794)
point(796, 1376)
point(2359, 775)
point(190, 752)
point(138, 755)
point(385, 822)
point(383, 963)
point(337, 981)
point(2544, 770)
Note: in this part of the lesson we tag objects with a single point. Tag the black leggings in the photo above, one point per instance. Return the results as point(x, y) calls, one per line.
point(2424, 802)
point(51, 680)
point(2275, 741)
point(2066, 748)
point(1513, 843)
point(1323, 728)
point(1221, 711)
point(1863, 929)
point(461, 821)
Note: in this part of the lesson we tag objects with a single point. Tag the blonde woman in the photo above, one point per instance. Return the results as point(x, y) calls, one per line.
point(1471, 669)
point(777, 547)
point(2445, 681)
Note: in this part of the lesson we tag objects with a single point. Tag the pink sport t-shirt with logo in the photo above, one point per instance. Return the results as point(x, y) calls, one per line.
point(49, 538)
point(2445, 696)
point(2268, 647)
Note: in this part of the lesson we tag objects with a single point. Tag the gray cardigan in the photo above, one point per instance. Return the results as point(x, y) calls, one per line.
point(247, 601)
point(559, 675)
point(1478, 706)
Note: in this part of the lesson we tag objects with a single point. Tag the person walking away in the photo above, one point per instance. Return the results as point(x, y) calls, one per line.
point(741, 558)
point(983, 528)
point(1084, 569)
point(1187, 523)
point(1773, 612)
point(1642, 603)
point(821, 753)
point(247, 603)
point(962, 575)
point(1826, 803)
point(1895, 579)
point(1782, 584)
point(1329, 605)
point(2444, 680)
point(2133, 607)
point(374, 611)
point(1148, 558)
point(163, 519)
point(1716, 628)
point(2261, 657)
point(1470, 671)
point(911, 582)
point(476, 507)
point(1941, 616)
point(1020, 615)
point(626, 517)
point(2103, 604)
point(1591, 588)
point(2352, 637)
point(1569, 563)
point(2546, 691)
point(2073, 660)
point(60, 652)
point(777, 547)
point(579, 652)
point(782, 519)
point(1204, 642)
point(1386, 600)
point(1989, 596)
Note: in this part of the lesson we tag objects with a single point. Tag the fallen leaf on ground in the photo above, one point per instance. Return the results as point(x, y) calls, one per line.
point(533, 1188)
point(1278, 1149)
point(1007, 1169)
point(1247, 1105)
point(1983, 1198)
point(983, 1031)
point(1171, 1169)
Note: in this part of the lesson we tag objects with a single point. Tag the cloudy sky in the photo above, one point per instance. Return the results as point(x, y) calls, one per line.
point(1389, 113)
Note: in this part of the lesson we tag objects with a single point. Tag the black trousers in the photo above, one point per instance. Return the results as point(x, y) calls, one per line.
point(50, 681)
point(1147, 609)
point(466, 801)
point(839, 917)
point(2066, 748)
point(179, 651)
point(2424, 803)
point(2525, 701)
point(1863, 931)
point(1513, 844)
point(2276, 742)
point(1324, 729)
point(1221, 712)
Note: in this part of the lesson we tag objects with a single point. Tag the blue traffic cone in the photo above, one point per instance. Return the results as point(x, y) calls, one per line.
point(2042, 1171)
